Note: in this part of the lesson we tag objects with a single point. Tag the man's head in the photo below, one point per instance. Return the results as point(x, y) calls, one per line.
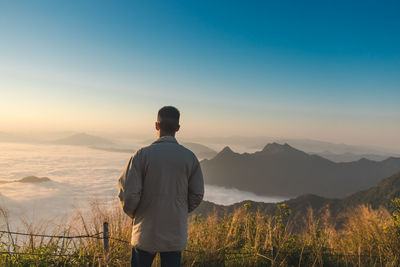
point(167, 121)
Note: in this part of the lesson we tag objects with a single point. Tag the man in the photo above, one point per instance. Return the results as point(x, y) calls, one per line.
point(162, 183)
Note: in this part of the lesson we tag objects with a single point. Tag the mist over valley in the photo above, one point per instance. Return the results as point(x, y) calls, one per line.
point(51, 178)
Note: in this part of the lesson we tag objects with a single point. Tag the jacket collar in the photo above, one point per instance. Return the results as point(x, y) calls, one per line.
point(166, 138)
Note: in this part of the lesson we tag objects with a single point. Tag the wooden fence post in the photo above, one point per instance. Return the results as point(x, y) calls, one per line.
point(106, 241)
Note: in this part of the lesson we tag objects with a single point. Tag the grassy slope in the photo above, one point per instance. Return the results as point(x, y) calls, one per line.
point(377, 196)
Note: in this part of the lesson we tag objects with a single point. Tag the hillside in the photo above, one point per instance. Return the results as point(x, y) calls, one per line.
point(349, 157)
point(201, 151)
point(379, 195)
point(281, 170)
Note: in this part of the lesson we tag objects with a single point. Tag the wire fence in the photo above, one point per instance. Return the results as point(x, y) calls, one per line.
point(44, 254)
point(105, 236)
point(54, 236)
point(228, 253)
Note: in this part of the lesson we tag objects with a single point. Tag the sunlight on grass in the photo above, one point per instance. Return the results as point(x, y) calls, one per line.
point(244, 238)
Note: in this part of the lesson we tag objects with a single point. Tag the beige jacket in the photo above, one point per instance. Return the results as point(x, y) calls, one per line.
point(162, 183)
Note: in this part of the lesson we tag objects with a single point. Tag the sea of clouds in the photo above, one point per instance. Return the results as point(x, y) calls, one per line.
point(78, 176)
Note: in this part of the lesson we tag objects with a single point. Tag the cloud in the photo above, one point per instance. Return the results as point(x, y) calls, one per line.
point(78, 176)
point(227, 196)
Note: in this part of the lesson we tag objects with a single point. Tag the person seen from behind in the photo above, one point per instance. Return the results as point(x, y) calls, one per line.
point(161, 184)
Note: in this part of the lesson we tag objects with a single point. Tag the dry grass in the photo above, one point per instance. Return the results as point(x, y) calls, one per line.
point(244, 238)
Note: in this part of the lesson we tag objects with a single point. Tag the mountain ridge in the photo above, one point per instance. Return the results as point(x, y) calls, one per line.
point(83, 139)
point(377, 196)
point(286, 171)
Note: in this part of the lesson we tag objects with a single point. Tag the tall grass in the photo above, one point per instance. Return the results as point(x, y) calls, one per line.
point(243, 238)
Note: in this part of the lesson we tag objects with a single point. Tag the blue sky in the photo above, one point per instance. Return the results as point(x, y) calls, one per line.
point(320, 69)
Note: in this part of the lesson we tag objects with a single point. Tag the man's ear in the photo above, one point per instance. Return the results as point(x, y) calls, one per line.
point(177, 128)
point(157, 126)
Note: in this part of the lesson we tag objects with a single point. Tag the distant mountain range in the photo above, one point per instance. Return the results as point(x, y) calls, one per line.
point(379, 195)
point(201, 151)
point(348, 157)
point(82, 139)
point(114, 149)
point(13, 138)
point(281, 170)
point(332, 151)
point(252, 143)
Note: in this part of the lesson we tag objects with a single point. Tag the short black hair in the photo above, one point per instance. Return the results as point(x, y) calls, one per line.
point(168, 118)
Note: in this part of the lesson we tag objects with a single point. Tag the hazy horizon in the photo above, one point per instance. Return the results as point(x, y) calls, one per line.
point(315, 70)
point(242, 143)
point(290, 107)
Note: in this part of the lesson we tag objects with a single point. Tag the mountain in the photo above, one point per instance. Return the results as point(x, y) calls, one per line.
point(316, 146)
point(201, 151)
point(252, 143)
point(33, 179)
point(376, 196)
point(114, 149)
point(379, 195)
point(14, 138)
point(82, 139)
point(281, 170)
point(348, 156)
point(28, 179)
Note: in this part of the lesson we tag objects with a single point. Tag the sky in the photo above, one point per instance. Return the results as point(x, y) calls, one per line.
point(326, 70)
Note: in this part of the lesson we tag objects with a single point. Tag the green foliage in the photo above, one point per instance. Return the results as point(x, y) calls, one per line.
point(396, 213)
point(243, 238)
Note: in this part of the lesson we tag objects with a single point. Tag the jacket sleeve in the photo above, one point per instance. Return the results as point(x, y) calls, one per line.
point(130, 184)
point(196, 187)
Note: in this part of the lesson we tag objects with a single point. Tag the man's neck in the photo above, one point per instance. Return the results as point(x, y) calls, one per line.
point(165, 134)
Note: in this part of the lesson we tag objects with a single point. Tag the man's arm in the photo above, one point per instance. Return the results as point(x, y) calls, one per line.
point(196, 187)
point(130, 185)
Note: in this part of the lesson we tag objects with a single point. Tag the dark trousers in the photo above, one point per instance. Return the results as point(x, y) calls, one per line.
point(141, 258)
